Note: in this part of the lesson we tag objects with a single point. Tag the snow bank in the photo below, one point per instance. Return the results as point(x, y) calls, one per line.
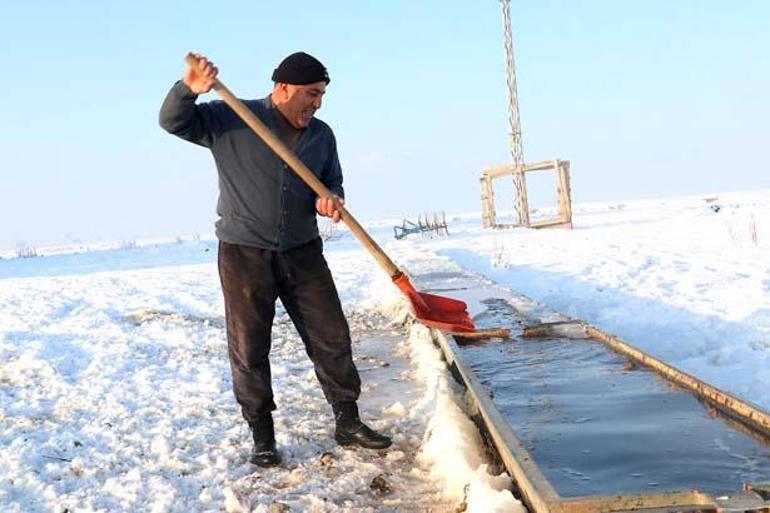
point(452, 448)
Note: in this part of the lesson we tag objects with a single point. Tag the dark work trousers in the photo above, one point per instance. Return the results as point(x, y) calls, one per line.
point(252, 279)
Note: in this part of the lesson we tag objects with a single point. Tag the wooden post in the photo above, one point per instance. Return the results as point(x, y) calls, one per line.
point(565, 194)
point(487, 202)
point(560, 199)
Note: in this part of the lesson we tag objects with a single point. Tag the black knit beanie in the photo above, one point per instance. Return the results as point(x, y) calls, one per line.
point(300, 69)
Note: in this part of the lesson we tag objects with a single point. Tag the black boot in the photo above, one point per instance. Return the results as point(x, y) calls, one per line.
point(351, 431)
point(264, 453)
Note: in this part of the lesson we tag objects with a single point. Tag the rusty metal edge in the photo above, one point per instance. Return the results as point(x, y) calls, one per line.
point(751, 415)
point(537, 492)
point(677, 501)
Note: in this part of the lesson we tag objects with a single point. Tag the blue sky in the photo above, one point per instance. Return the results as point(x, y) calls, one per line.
point(646, 99)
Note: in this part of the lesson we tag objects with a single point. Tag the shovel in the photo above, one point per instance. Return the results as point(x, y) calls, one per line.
point(434, 311)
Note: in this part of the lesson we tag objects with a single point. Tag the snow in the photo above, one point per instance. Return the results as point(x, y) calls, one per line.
point(116, 395)
point(115, 390)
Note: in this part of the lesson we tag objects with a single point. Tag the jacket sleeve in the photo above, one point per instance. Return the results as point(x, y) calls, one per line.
point(332, 172)
point(179, 115)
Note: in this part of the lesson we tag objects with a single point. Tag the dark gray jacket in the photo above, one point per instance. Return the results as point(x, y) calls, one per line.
point(262, 203)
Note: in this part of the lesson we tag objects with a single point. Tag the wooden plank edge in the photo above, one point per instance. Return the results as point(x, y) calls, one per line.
point(676, 501)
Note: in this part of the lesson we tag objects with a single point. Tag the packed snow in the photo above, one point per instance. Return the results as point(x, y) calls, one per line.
point(115, 390)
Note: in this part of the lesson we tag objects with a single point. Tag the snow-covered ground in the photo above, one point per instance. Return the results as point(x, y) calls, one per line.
point(115, 389)
point(115, 395)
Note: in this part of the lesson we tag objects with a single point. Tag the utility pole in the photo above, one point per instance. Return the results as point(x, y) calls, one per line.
point(517, 169)
point(520, 205)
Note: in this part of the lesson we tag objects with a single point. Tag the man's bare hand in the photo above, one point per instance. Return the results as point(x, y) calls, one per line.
point(327, 207)
point(200, 79)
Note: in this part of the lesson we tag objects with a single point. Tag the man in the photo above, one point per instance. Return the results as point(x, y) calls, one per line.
point(269, 245)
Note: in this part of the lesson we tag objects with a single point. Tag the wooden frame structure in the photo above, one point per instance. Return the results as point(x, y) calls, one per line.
point(536, 491)
point(563, 218)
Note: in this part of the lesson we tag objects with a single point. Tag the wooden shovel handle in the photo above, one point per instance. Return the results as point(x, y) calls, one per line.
point(300, 169)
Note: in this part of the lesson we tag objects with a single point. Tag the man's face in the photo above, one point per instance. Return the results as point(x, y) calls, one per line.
point(299, 102)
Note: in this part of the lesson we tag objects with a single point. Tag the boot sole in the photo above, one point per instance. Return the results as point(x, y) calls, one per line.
point(346, 441)
point(273, 462)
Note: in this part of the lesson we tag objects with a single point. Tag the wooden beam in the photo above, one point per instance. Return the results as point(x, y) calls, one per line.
point(551, 223)
point(498, 171)
point(540, 166)
point(565, 191)
point(488, 215)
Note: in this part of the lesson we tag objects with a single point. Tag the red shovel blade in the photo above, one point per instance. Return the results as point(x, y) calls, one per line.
point(439, 312)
